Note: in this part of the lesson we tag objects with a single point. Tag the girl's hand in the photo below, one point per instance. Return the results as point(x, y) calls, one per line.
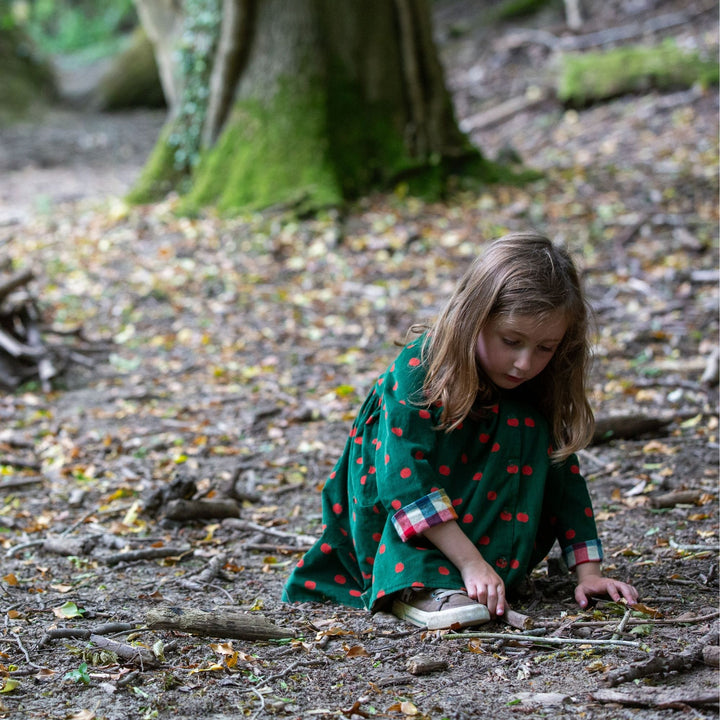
point(592, 582)
point(485, 585)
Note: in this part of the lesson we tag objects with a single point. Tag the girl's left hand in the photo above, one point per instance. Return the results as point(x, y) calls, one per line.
point(599, 585)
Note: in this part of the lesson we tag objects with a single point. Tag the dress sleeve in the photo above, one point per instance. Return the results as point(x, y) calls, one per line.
point(572, 515)
point(408, 478)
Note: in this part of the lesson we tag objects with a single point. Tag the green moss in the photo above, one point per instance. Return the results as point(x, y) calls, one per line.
point(590, 77)
point(159, 176)
point(26, 78)
point(133, 79)
point(268, 155)
point(510, 9)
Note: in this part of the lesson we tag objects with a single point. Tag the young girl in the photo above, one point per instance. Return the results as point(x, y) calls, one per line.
point(459, 473)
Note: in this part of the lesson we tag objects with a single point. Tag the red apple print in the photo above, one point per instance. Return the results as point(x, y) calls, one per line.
point(495, 447)
point(369, 560)
point(492, 495)
point(332, 474)
point(414, 362)
point(506, 516)
point(588, 512)
point(468, 518)
point(570, 534)
point(363, 479)
point(456, 502)
point(381, 593)
point(513, 422)
point(501, 562)
point(443, 570)
point(444, 470)
point(512, 469)
point(387, 458)
point(337, 508)
point(405, 473)
point(424, 414)
point(310, 585)
point(419, 455)
point(326, 548)
point(527, 470)
point(574, 469)
point(355, 593)
point(529, 422)
point(484, 437)
point(522, 517)
point(399, 568)
point(301, 562)
point(515, 564)
point(376, 537)
point(396, 431)
point(381, 549)
point(396, 504)
point(340, 579)
point(484, 540)
point(353, 432)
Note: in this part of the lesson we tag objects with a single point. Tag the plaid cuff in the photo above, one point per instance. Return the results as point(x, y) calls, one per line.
point(590, 551)
point(415, 518)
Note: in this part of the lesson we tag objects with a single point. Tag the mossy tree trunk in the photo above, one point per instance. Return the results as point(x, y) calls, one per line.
point(315, 101)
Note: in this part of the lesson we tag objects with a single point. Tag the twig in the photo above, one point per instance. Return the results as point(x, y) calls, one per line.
point(84, 634)
point(623, 624)
point(677, 546)
point(23, 546)
point(539, 640)
point(241, 524)
point(145, 554)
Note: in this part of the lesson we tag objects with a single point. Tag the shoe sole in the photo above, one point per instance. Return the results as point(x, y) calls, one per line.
point(442, 619)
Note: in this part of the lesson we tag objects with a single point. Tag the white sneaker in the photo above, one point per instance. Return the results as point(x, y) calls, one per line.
point(439, 608)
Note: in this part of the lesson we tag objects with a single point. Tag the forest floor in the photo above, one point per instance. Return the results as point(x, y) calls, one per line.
point(231, 355)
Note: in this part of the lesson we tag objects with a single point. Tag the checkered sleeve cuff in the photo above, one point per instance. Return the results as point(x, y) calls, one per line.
point(415, 518)
point(590, 551)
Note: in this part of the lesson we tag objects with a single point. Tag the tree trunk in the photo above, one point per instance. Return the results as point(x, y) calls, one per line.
point(314, 101)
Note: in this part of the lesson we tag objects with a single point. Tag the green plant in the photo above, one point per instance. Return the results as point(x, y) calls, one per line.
point(79, 675)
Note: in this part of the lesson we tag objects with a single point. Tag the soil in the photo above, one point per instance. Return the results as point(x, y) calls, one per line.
point(226, 357)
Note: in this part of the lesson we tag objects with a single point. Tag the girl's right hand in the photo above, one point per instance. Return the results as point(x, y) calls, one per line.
point(485, 585)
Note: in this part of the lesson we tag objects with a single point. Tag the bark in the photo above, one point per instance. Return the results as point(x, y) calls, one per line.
point(313, 102)
point(235, 36)
point(163, 23)
point(222, 623)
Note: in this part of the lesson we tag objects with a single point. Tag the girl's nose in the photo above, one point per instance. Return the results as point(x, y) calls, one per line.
point(522, 360)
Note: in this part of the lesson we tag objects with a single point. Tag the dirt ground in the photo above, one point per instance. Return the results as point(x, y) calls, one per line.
point(228, 358)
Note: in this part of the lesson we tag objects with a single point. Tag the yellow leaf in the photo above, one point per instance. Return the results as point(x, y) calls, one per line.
point(13, 614)
point(223, 648)
point(356, 651)
point(9, 685)
point(10, 579)
point(83, 715)
point(408, 708)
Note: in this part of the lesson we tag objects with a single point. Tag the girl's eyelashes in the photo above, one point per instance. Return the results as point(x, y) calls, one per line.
point(510, 342)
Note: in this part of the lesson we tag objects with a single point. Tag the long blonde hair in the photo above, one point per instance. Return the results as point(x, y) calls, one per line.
point(518, 274)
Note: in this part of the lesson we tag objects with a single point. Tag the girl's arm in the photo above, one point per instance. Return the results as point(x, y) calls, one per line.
point(592, 582)
point(481, 581)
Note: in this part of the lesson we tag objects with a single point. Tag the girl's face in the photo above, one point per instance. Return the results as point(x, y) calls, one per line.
point(513, 350)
